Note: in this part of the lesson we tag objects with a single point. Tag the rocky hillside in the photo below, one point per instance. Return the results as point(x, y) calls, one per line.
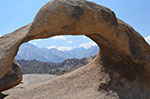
point(38, 67)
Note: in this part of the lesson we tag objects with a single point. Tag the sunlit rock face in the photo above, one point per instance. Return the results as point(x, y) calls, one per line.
point(124, 54)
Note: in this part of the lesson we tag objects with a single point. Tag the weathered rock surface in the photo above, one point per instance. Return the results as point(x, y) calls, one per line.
point(12, 78)
point(120, 70)
point(8, 47)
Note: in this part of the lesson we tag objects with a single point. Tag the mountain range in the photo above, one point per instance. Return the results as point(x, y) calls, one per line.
point(29, 51)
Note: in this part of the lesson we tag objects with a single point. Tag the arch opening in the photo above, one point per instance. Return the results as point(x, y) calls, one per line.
point(56, 55)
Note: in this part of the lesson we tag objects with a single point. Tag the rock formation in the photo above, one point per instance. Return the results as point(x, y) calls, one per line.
point(120, 70)
point(12, 78)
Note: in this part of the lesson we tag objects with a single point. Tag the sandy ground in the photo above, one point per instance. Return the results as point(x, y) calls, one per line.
point(29, 80)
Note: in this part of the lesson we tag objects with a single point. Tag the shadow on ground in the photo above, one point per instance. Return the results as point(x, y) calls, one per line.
point(2, 96)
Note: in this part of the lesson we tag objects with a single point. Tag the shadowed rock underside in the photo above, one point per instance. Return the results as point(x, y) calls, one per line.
point(12, 78)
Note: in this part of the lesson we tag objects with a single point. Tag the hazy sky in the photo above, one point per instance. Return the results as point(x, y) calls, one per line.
point(17, 13)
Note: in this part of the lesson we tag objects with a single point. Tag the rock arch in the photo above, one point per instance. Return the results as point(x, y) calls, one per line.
point(123, 50)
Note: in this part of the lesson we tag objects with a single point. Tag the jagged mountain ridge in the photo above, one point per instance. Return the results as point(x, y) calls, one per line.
point(30, 52)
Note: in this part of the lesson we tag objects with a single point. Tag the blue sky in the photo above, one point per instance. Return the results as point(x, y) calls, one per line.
point(17, 13)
